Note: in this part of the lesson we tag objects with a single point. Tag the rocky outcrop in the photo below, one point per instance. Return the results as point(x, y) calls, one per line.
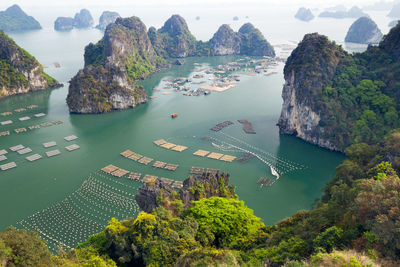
point(15, 19)
point(19, 71)
point(194, 188)
point(64, 24)
point(304, 14)
point(354, 12)
point(253, 42)
point(364, 31)
point(225, 41)
point(106, 18)
point(311, 65)
point(112, 66)
point(82, 20)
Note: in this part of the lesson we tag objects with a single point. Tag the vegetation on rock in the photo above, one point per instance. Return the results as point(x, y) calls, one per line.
point(15, 19)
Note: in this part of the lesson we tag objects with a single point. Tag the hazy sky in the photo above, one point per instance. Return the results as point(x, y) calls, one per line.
point(310, 3)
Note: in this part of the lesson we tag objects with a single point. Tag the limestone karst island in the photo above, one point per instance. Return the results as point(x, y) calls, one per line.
point(212, 133)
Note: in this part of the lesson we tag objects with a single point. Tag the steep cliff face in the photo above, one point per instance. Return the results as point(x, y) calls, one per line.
point(64, 24)
point(194, 188)
point(106, 18)
point(364, 31)
point(304, 14)
point(112, 66)
point(19, 71)
point(83, 19)
point(225, 41)
point(311, 65)
point(15, 19)
point(253, 42)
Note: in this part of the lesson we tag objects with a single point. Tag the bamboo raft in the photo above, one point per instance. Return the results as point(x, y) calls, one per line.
point(247, 126)
point(265, 181)
point(115, 171)
point(196, 170)
point(164, 144)
point(214, 155)
point(8, 166)
point(221, 125)
point(3, 158)
point(34, 157)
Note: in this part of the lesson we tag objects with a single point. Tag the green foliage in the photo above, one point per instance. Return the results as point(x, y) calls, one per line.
point(94, 54)
point(226, 219)
point(329, 239)
point(27, 249)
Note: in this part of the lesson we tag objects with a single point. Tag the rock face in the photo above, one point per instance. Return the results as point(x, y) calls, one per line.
point(253, 42)
point(306, 72)
point(354, 12)
point(64, 24)
point(19, 71)
point(82, 20)
point(194, 188)
point(364, 31)
point(225, 41)
point(395, 12)
point(174, 38)
point(15, 19)
point(304, 14)
point(107, 17)
point(112, 66)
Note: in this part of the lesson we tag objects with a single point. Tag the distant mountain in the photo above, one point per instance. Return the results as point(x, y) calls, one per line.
point(364, 31)
point(15, 19)
point(81, 20)
point(106, 18)
point(19, 71)
point(354, 12)
point(304, 14)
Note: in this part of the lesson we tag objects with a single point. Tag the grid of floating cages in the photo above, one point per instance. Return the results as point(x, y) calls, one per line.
point(85, 212)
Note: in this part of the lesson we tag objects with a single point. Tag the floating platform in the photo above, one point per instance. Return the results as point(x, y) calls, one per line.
point(212, 171)
point(119, 173)
point(168, 145)
point(159, 164)
point(177, 184)
point(6, 122)
point(46, 124)
point(135, 176)
point(5, 133)
point(32, 106)
point(20, 130)
point(245, 157)
point(33, 127)
point(265, 181)
point(196, 170)
point(148, 179)
point(145, 160)
point(135, 156)
point(166, 181)
point(247, 126)
point(72, 147)
point(20, 110)
point(109, 169)
point(214, 155)
point(53, 153)
point(16, 148)
point(61, 122)
point(70, 138)
point(6, 113)
point(228, 158)
point(179, 148)
point(39, 115)
point(25, 118)
point(126, 153)
point(3, 152)
point(221, 125)
point(171, 167)
point(34, 157)
point(201, 153)
point(24, 151)
point(8, 166)
point(49, 144)
point(160, 142)
point(2, 157)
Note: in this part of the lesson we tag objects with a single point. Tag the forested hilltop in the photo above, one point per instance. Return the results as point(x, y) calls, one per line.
point(335, 99)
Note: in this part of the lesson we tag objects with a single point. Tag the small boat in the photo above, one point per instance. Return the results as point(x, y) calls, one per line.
point(207, 92)
point(174, 115)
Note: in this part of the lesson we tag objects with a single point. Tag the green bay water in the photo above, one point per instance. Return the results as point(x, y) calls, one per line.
point(32, 187)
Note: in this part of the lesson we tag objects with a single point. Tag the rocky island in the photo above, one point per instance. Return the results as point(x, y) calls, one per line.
point(334, 99)
point(128, 53)
point(107, 17)
point(364, 31)
point(15, 19)
point(20, 72)
point(82, 20)
point(304, 14)
point(354, 12)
